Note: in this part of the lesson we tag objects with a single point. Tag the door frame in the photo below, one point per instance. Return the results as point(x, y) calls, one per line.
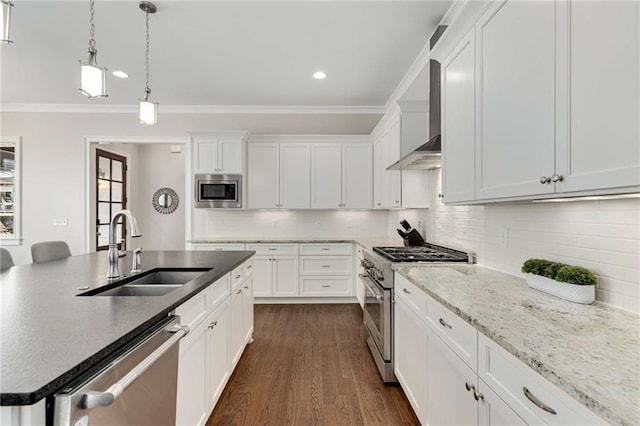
point(124, 159)
point(89, 237)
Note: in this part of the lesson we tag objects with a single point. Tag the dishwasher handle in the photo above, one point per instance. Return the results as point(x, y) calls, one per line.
point(94, 399)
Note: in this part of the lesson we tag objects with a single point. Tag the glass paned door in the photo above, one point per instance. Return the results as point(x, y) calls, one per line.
point(111, 196)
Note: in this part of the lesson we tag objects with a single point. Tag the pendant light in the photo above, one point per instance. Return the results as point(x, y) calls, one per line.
point(148, 109)
point(5, 22)
point(93, 79)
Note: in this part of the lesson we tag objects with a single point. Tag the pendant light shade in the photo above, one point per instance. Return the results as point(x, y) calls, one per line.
point(148, 109)
point(5, 22)
point(93, 79)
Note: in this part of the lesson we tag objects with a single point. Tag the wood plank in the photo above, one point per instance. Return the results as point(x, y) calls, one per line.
point(309, 365)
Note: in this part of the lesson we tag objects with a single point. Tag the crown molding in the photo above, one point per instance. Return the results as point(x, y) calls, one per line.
point(271, 138)
point(194, 109)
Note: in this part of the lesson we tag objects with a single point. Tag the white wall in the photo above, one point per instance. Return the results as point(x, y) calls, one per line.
point(290, 223)
point(160, 168)
point(603, 236)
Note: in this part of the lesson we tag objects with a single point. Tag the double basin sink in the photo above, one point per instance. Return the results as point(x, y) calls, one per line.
point(154, 283)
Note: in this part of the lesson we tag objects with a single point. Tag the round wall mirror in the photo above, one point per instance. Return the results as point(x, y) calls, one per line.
point(165, 200)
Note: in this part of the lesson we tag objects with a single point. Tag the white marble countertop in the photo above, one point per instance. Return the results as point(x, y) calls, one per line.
point(366, 242)
point(592, 352)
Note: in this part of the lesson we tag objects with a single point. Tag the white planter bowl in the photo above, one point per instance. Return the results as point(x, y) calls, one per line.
point(584, 294)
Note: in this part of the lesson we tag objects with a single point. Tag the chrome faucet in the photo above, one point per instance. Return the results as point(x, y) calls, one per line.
point(114, 255)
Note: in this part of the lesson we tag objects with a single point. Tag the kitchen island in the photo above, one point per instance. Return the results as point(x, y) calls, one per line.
point(49, 334)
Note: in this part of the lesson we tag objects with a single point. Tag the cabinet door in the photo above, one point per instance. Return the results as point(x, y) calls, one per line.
point(326, 176)
point(247, 309)
point(295, 176)
point(603, 132)
point(262, 276)
point(205, 156)
point(236, 327)
point(458, 118)
point(192, 405)
point(394, 177)
point(493, 411)
point(217, 351)
point(357, 176)
point(449, 402)
point(263, 159)
point(515, 142)
point(230, 156)
point(410, 356)
point(285, 276)
point(380, 182)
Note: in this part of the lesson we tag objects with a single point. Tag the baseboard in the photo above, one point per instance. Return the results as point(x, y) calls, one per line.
point(301, 300)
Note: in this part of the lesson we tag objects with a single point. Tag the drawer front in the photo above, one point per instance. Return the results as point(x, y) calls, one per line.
point(218, 291)
point(333, 249)
point(460, 336)
point(325, 265)
point(319, 286)
point(237, 276)
point(273, 249)
point(526, 391)
point(194, 310)
point(411, 294)
point(219, 247)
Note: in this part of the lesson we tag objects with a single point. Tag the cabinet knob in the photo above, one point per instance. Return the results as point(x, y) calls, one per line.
point(544, 179)
point(557, 178)
point(441, 195)
point(468, 386)
point(478, 396)
point(378, 204)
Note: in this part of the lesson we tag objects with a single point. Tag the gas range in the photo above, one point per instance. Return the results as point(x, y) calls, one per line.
point(425, 253)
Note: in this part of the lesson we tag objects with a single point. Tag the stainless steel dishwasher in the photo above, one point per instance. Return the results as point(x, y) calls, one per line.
point(136, 386)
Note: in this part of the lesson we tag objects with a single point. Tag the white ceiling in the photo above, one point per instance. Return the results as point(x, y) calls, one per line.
point(239, 53)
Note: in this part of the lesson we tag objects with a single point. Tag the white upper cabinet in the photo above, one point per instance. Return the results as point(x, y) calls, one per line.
point(278, 176)
point(263, 179)
point(458, 122)
point(295, 180)
point(341, 175)
point(515, 143)
point(387, 183)
point(221, 153)
point(600, 126)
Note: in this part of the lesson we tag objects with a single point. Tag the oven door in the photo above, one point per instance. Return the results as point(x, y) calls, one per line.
point(377, 315)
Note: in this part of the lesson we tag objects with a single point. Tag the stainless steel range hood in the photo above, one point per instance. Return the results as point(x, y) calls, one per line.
point(428, 156)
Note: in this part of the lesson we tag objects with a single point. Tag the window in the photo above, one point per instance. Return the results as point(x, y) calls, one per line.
point(10, 191)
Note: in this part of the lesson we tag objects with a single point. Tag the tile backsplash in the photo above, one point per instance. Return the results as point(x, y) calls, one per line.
point(603, 236)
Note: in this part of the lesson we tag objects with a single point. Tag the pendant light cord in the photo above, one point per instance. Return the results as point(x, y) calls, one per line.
point(146, 54)
point(92, 29)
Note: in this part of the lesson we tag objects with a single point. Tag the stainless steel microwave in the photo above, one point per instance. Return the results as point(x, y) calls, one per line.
point(218, 191)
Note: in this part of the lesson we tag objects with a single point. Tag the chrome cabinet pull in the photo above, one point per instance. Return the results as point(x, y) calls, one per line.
point(544, 179)
point(250, 266)
point(238, 276)
point(406, 291)
point(325, 249)
point(239, 291)
point(246, 287)
point(94, 399)
point(469, 386)
point(444, 323)
point(557, 178)
point(272, 249)
point(326, 266)
point(326, 285)
point(213, 324)
point(537, 402)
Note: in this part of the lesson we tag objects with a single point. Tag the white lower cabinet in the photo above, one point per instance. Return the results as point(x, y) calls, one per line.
point(221, 324)
point(410, 355)
point(453, 375)
point(276, 276)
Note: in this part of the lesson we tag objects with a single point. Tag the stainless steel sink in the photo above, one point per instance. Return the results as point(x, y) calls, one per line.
point(140, 290)
point(157, 283)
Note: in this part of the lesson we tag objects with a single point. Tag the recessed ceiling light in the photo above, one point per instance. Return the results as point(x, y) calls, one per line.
point(120, 74)
point(319, 75)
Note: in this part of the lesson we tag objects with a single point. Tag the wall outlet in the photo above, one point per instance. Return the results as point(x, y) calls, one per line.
point(60, 221)
point(504, 237)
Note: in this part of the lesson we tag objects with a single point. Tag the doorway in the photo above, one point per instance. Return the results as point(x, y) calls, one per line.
point(111, 196)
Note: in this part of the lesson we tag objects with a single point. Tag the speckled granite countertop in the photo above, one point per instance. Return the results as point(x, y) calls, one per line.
point(49, 334)
point(366, 242)
point(592, 352)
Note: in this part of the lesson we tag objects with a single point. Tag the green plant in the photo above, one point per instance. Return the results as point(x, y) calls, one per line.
point(576, 275)
point(559, 271)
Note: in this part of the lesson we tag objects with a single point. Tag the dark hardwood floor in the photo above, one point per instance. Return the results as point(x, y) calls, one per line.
point(309, 365)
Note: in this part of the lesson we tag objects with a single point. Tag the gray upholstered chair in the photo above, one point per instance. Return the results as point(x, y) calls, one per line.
point(49, 250)
point(6, 261)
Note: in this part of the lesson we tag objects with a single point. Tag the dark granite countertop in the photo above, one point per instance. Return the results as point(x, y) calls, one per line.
point(48, 334)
